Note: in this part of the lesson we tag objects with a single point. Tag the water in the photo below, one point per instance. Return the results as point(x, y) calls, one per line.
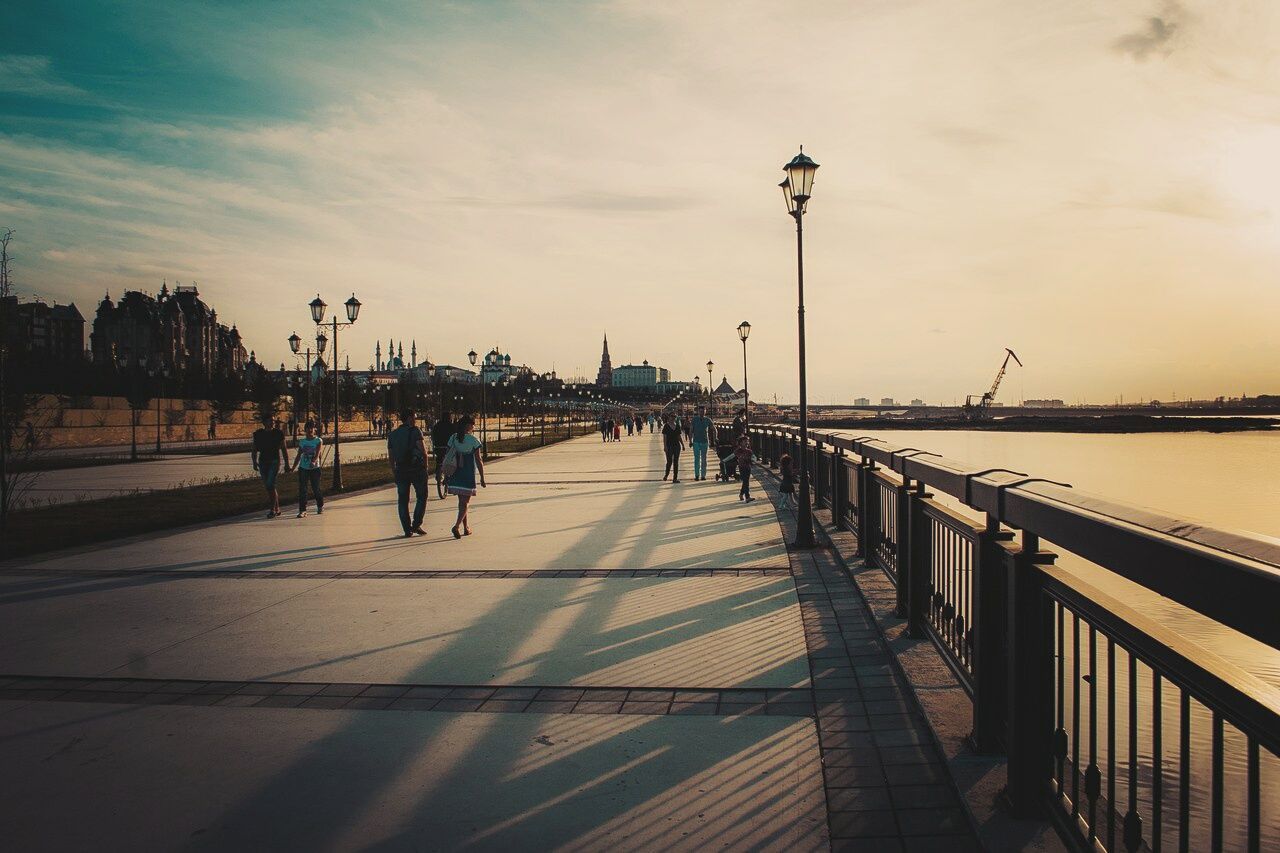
point(1228, 481)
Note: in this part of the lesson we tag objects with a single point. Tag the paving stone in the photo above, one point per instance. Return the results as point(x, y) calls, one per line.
point(235, 700)
point(405, 703)
point(843, 723)
point(630, 707)
point(932, 821)
point(503, 706)
point(280, 701)
point(222, 687)
point(941, 844)
point(301, 689)
point(743, 709)
point(512, 693)
point(923, 796)
point(846, 740)
point(699, 696)
point(559, 693)
point(915, 774)
point(870, 798)
point(908, 754)
point(260, 688)
point(470, 693)
point(369, 703)
point(343, 690)
point(901, 737)
point(330, 702)
point(868, 757)
point(654, 696)
point(586, 706)
point(693, 708)
point(427, 693)
point(458, 704)
point(561, 706)
point(789, 709)
point(865, 824)
point(387, 691)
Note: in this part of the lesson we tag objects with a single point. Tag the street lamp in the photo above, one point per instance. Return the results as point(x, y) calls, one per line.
point(711, 365)
point(318, 307)
point(744, 330)
point(796, 190)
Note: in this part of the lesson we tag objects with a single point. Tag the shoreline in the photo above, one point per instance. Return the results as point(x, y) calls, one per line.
point(1089, 424)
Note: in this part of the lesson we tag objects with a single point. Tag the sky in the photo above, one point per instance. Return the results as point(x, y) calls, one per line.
point(1093, 184)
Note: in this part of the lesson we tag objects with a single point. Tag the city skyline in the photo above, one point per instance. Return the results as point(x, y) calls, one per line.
point(390, 153)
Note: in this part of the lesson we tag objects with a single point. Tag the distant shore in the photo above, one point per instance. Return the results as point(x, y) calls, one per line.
point(1100, 424)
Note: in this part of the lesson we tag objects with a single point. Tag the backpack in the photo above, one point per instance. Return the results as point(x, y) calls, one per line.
point(449, 465)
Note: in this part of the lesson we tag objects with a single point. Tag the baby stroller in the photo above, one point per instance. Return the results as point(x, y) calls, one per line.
point(728, 472)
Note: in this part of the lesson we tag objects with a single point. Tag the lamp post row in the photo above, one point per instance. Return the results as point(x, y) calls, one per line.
point(318, 308)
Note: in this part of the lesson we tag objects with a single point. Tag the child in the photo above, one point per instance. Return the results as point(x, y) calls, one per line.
point(742, 453)
point(787, 488)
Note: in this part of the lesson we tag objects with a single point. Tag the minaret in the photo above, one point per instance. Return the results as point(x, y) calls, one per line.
point(413, 353)
point(604, 378)
point(377, 357)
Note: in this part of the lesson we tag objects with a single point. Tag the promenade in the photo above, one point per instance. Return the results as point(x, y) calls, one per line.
point(609, 662)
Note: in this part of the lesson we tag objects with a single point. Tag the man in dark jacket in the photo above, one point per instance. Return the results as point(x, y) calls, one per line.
point(408, 454)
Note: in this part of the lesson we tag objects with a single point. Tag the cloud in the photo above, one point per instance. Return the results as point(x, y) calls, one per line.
point(32, 76)
point(1157, 36)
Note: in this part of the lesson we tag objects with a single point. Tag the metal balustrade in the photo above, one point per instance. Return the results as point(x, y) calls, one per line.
point(1127, 735)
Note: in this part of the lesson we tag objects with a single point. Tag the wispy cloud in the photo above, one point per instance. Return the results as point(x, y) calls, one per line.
point(33, 77)
point(1156, 36)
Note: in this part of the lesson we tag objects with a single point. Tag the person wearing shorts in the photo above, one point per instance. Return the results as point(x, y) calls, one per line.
point(268, 457)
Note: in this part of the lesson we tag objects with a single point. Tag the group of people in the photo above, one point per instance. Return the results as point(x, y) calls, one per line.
point(459, 466)
point(701, 434)
point(611, 426)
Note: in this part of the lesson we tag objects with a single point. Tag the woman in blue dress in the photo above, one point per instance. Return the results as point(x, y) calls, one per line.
point(462, 482)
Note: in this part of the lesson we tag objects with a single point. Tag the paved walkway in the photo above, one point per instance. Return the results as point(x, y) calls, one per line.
point(609, 662)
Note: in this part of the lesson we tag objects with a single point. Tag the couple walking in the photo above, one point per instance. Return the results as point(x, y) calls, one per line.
point(270, 455)
point(458, 464)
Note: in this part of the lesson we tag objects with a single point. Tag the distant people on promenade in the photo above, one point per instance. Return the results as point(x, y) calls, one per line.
point(739, 425)
point(307, 461)
point(742, 455)
point(268, 455)
point(787, 486)
point(463, 457)
point(672, 444)
point(652, 423)
point(440, 432)
point(639, 424)
point(408, 455)
point(604, 428)
point(700, 437)
point(617, 430)
point(631, 425)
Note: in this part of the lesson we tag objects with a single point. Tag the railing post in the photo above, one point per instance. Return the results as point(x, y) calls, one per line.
point(1031, 667)
point(868, 508)
point(902, 536)
point(839, 490)
point(818, 490)
point(919, 554)
point(990, 638)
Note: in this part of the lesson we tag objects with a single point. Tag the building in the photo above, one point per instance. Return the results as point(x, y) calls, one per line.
point(604, 378)
point(1044, 404)
point(451, 373)
point(645, 376)
point(887, 401)
point(861, 401)
point(918, 402)
point(395, 360)
point(174, 330)
point(45, 332)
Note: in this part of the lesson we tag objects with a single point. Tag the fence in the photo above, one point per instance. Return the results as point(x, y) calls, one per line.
point(1120, 730)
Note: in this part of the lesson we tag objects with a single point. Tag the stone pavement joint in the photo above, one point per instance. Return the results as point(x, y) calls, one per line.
point(423, 574)
point(790, 702)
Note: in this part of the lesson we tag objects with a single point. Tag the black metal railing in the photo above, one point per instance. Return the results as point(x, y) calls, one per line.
point(1122, 731)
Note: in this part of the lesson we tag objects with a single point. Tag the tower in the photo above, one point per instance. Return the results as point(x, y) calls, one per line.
point(413, 353)
point(604, 378)
point(377, 357)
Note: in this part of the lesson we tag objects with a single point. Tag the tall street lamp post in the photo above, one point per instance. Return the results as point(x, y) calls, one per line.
point(796, 190)
point(744, 329)
point(484, 420)
point(318, 307)
point(711, 406)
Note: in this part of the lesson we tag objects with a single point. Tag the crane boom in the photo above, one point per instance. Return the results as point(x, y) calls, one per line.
point(990, 396)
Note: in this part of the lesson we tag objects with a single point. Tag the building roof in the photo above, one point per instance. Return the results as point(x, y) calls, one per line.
point(724, 386)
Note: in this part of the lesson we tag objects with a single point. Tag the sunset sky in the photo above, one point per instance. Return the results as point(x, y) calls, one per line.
point(1094, 184)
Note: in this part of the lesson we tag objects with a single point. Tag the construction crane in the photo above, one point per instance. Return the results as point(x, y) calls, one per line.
point(980, 409)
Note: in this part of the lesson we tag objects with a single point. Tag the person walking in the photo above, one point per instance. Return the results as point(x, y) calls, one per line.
point(604, 429)
point(631, 425)
point(307, 463)
point(742, 454)
point(408, 454)
point(787, 488)
point(672, 444)
point(465, 449)
point(617, 430)
point(440, 432)
point(700, 438)
point(268, 455)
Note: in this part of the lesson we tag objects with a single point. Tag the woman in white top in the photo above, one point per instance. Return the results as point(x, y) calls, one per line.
point(462, 482)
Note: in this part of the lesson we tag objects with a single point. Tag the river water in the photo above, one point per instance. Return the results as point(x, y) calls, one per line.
point(1227, 480)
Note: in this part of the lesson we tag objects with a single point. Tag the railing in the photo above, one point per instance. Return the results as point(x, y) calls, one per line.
point(1120, 730)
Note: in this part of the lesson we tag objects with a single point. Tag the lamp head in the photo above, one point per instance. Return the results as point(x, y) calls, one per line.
point(744, 329)
point(353, 308)
point(317, 309)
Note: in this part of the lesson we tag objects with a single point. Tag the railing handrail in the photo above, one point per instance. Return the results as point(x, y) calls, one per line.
point(1230, 577)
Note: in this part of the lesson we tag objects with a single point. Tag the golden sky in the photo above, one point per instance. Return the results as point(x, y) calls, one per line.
point(1094, 184)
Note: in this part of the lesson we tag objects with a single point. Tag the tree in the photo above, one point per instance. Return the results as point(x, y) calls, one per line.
point(226, 396)
point(266, 393)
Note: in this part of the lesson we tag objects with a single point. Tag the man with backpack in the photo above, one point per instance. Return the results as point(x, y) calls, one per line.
point(408, 454)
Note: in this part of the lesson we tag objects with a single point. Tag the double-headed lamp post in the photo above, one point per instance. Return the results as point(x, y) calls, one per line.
point(796, 190)
point(744, 330)
point(318, 307)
